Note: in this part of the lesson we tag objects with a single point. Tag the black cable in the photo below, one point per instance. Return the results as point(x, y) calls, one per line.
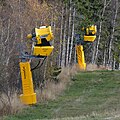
point(37, 66)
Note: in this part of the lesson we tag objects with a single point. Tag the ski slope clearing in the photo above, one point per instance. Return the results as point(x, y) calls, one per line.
point(93, 95)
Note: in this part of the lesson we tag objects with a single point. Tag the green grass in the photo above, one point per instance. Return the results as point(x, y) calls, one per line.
point(92, 96)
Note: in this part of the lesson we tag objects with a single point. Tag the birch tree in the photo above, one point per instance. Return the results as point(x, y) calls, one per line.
point(61, 37)
point(112, 34)
point(94, 57)
point(63, 62)
point(69, 32)
point(72, 37)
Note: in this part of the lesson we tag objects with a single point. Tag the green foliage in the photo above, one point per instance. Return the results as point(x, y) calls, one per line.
point(89, 9)
point(54, 75)
point(87, 12)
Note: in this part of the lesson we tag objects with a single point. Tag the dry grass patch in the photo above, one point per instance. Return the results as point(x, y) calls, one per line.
point(10, 104)
point(92, 67)
point(53, 89)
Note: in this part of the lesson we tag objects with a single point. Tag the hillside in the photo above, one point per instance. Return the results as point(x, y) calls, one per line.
point(91, 96)
point(81, 30)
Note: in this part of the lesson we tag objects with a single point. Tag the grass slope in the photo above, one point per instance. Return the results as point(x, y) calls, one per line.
point(92, 96)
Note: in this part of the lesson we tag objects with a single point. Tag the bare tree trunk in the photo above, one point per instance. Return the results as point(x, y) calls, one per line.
point(114, 61)
point(93, 52)
point(61, 34)
point(75, 56)
point(2, 58)
point(53, 26)
point(20, 23)
point(94, 59)
point(72, 38)
point(69, 34)
point(64, 42)
point(7, 41)
point(119, 63)
point(112, 35)
point(45, 69)
point(104, 57)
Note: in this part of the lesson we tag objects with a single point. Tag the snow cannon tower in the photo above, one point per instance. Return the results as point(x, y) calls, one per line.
point(41, 38)
point(89, 36)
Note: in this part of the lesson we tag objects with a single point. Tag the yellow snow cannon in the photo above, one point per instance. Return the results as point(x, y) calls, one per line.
point(43, 37)
point(90, 33)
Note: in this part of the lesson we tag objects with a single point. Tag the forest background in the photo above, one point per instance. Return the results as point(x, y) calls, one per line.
point(67, 17)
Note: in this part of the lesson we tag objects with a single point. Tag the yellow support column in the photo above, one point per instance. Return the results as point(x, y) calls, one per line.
point(28, 96)
point(81, 58)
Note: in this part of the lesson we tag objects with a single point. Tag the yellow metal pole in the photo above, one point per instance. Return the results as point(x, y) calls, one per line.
point(81, 58)
point(28, 96)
